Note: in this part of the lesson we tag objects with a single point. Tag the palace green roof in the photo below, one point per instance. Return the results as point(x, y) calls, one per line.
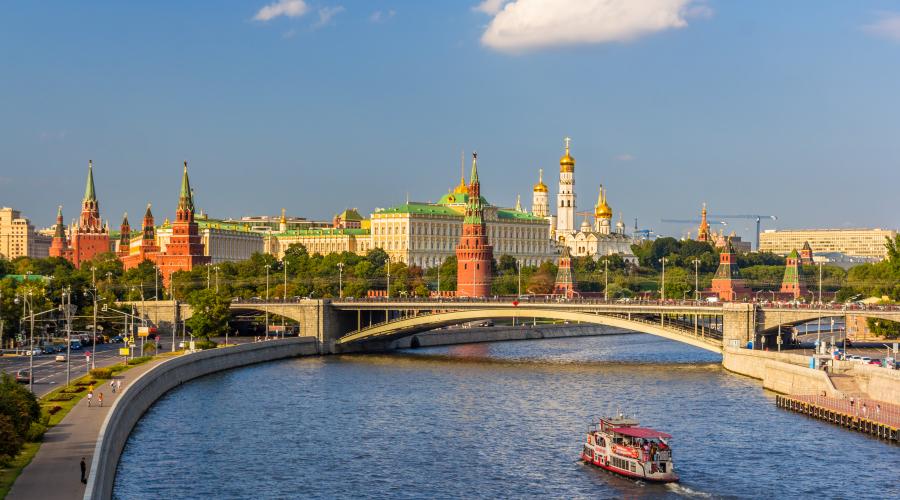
point(421, 209)
point(513, 214)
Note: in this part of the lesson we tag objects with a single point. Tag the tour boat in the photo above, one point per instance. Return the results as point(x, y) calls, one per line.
point(619, 445)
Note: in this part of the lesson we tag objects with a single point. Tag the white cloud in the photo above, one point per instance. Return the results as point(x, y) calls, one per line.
point(326, 14)
point(524, 25)
point(380, 17)
point(490, 7)
point(287, 8)
point(625, 157)
point(887, 26)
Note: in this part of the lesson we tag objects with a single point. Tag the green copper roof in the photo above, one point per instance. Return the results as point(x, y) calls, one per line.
point(350, 215)
point(515, 214)
point(794, 254)
point(186, 197)
point(89, 193)
point(420, 209)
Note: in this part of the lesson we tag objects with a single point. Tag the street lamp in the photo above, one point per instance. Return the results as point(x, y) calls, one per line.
point(662, 280)
point(268, 266)
point(28, 300)
point(340, 266)
point(519, 270)
point(820, 264)
point(93, 294)
point(696, 263)
point(388, 291)
point(606, 279)
point(216, 269)
point(65, 306)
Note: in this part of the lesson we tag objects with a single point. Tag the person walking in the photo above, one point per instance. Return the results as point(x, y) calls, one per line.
point(100, 399)
point(83, 471)
point(112, 386)
point(90, 398)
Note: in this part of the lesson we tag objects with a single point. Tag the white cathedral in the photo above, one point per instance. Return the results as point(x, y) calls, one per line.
point(594, 240)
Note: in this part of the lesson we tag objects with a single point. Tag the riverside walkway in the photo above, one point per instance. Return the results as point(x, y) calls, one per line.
point(865, 415)
point(54, 472)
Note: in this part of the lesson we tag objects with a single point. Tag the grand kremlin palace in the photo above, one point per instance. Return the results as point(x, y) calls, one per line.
point(424, 234)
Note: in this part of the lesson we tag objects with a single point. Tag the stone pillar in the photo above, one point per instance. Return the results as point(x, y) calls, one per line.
point(738, 324)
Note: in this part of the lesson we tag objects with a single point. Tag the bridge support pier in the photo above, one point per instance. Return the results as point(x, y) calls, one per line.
point(739, 324)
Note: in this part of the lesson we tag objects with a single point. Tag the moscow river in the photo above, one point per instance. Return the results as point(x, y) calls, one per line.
point(500, 420)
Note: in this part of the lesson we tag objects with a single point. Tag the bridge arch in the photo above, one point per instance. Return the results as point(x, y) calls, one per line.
point(416, 324)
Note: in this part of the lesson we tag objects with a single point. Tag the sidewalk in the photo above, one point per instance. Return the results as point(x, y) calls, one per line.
point(54, 472)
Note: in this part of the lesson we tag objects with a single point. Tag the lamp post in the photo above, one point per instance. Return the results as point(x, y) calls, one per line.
point(820, 264)
point(208, 275)
point(388, 291)
point(28, 300)
point(519, 269)
point(67, 302)
point(662, 281)
point(283, 295)
point(216, 269)
point(93, 294)
point(268, 266)
point(606, 279)
point(340, 266)
point(696, 263)
point(439, 280)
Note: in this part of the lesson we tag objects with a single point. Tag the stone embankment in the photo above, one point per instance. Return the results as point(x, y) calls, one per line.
point(453, 336)
point(150, 386)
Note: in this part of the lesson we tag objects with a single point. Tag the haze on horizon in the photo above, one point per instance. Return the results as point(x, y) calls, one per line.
point(768, 107)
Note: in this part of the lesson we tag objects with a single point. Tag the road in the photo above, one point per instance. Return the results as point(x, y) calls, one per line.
point(49, 373)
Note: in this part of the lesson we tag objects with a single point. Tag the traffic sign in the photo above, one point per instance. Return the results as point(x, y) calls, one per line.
point(124, 351)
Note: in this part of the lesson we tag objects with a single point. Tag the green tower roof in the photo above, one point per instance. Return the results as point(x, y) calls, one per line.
point(89, 193)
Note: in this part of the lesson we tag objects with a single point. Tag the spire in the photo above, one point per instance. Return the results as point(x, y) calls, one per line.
point(518, 203)
point(125, 220)
point(461, 188)
point(283, 217)
point(186, 198)
point(148, 214)
point(60, 225)
point(89, 193)
point(474, 177)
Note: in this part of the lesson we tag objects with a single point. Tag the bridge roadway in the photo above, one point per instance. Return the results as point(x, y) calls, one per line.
point(344, 322)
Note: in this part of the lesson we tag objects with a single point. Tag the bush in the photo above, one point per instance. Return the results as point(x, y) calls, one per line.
point(75, 389)
point(139, 360)
point(205, 344)
point(10, 440)
point(150, 348)
point(35, 432)
point(101, 373)
point(54, 409)
point(62, 397)
point(18, 404)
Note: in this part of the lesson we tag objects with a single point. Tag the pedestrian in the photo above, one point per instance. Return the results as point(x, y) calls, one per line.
point(877, 410)
point(100, 399)
point(112, 386)
point(90, 398)
point(83, 471)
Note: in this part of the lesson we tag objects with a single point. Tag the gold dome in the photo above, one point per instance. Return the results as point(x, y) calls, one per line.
point(540, 187)
point(602, 210)
point(566, 162)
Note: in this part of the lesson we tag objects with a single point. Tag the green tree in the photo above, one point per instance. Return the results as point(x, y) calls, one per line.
point(211, 314)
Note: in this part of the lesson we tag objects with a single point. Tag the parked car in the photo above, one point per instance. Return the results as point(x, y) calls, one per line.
point(36, 351)
point(48, 349)
point(61, 358)
point(60, 347)
point(876, 362)
point(23, 376)
point(117, 339)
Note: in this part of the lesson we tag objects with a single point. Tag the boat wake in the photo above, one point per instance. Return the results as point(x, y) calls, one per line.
point(683, 490)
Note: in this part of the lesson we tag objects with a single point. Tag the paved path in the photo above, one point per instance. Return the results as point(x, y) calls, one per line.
point(54, 472)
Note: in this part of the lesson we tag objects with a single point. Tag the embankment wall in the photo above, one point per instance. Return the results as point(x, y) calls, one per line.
point(146, 389)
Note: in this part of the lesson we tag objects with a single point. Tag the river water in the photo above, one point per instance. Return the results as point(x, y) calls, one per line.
point(499, 420)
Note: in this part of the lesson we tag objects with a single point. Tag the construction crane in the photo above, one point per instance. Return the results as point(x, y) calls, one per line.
point(758, 219)
point(691, 221)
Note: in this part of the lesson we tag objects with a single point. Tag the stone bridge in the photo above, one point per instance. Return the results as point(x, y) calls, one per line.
point(342, 325)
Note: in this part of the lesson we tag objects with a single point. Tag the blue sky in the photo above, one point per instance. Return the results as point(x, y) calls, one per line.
point(785, 108)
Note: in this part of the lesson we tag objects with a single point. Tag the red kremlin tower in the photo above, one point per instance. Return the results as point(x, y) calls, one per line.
point(565, 279)
point(806, 254)
point(89, 237)
point(473, 254)
point(124, 237)
point(792, 284)
point(148, 249)
point(59, 247)
point(185, 250)
point(727, 283)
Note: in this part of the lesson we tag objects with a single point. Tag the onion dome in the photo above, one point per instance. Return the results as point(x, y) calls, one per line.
point(602, 210)
point(566, 162)
point(540, 187)
point(585, 226)
point(620, 224)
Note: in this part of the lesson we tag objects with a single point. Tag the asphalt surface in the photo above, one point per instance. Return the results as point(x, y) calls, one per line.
point(50, 374)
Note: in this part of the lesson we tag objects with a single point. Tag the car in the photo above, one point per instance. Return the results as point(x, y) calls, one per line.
point(116, 339)
point(60, 347)
point(35, 352)
point(182, 344)
point(75, 345)
point(61, 358)
point(48, 349)
point(876, 362)
point(23, 376)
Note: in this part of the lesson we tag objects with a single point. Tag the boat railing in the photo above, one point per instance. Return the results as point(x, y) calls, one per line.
point(663, 456)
